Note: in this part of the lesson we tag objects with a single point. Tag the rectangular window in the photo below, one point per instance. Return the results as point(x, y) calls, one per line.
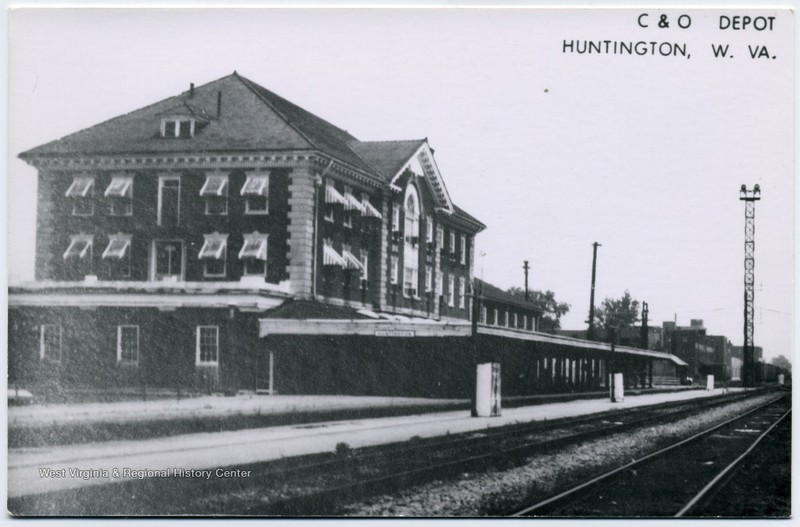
point(463, 250)
point(451, 291)
point(394, 270)
point(347, 220)
point(462, 293)
point(328, 215)
point(169, 197)
point(214, 252)
point(118, 255)
point(364, 264)
point(256, 193)
point(396, 217)
point(428, 278)
point(410, 278)
point(514, 324)
point(185, 129)
point(452, 243)
point(128, 344)
point(369, 209)
point(120, 196)
point(484, 314)
point(50, 343)
point(429, 229)
point(82, 193)
point(254, 254)
point(215, 192)
point(207, 349)
point(168, 260)
point(439, 237)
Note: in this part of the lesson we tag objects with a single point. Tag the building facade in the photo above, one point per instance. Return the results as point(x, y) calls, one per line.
point(162, 234)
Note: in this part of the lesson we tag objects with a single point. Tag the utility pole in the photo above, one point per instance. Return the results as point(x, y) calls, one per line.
point(526, 267)
point(590, 333)
point(749, 197)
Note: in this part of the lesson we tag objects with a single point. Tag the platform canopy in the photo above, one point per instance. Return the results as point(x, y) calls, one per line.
point(367, 323)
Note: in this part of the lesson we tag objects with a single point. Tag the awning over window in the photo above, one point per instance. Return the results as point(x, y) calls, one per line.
point(254, 247)
point(81, 185)
point(256, 185)
point(215, 185)
point(352, 203)
point(351, 262)
point(333, 196)
point(331, 257)
point(214, 246)
point(117, 246)
point(79, 246)
point(369, 210)
point(120, 187)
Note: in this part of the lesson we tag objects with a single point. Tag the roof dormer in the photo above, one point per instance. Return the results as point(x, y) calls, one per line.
point(183, 121)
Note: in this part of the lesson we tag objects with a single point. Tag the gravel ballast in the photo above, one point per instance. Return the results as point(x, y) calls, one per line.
point(500, 491)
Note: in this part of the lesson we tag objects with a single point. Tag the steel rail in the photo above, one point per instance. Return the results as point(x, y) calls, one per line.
point(732, 466)
point(572, 491)
point(440, 468)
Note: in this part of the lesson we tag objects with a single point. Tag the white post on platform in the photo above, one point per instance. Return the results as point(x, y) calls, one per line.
point(616, 387)
point(271, 370)
point(780, 379)
point(709, 383)
point(487, 390)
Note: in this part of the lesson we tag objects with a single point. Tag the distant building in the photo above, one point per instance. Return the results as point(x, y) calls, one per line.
point(500, 308)
point(686, 342)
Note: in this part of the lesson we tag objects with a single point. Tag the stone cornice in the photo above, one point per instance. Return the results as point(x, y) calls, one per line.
point(201, 161)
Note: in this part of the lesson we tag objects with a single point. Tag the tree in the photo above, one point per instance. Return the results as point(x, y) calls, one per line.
point(550, 322)
point(618, 313)
point(782, 362)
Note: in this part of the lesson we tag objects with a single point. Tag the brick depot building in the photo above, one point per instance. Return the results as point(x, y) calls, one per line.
point(225, 239)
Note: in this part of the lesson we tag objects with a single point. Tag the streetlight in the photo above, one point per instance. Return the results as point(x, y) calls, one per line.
point(749, 197)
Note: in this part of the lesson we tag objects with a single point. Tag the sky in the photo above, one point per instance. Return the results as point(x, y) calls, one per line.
point(551, 150)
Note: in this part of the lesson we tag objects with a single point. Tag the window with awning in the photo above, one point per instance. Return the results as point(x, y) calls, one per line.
point(256, 193)
point(120, 187)
point(81, 191)
point(331, 257)
point(215, 185)
point(371, 211)
point(332, 196)
point(352, 203)
point(215, 191)
point(117, 247)
point(351, 262)
point(213, 246)
point(213, 254)
point(80, 246)
point(254, 254)
point(80, 187)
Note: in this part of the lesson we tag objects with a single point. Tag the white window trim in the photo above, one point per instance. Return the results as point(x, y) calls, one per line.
point(451, 285)
point(177, 121)
point(429, 229)
point(221, 254)
point(161, 180)
point(461, 292)
point(197, 360)
point(120, 360)
point(463, 249)
point(154, 263)
point(328, 214)
point(42, 355)
point(452, 242)
point(394, 267)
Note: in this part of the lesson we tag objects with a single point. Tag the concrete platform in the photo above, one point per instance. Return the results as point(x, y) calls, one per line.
point(223, 449)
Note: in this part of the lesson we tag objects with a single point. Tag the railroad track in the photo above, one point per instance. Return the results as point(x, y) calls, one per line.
point(677, 480)
point(442, 458)
point(326, 481)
